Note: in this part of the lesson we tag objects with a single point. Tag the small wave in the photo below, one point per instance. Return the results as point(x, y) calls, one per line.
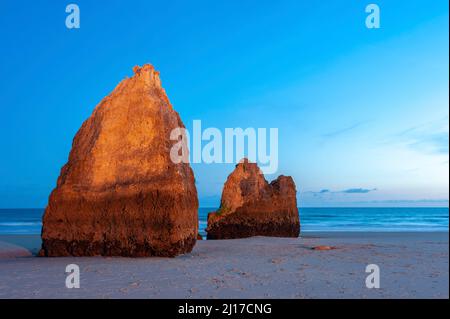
point(14, 224)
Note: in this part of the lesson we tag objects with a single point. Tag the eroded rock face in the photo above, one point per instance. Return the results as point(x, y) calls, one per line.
point(120, 194)
point(250, 206)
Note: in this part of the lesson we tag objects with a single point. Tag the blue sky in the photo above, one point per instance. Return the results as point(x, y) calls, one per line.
point(362, 113)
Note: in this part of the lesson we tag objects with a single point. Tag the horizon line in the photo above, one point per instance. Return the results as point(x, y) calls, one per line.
point(211, 207)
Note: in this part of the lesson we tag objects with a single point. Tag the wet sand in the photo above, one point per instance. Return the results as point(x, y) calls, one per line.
point(412, 265)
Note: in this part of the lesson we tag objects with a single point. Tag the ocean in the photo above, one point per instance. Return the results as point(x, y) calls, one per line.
point(29, 221)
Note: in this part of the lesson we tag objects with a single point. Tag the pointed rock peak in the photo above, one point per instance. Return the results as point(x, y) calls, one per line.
point(247, 166)
point(245, 161)
point(148, 74)
point(145, 68)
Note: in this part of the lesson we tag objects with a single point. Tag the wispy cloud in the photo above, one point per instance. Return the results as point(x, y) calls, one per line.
point(429, 138)
point(344, 130)
point(433, 143)
point(345, 191)
point(358, 190)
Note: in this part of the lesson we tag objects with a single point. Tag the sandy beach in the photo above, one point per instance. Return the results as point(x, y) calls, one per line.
point(412, 265)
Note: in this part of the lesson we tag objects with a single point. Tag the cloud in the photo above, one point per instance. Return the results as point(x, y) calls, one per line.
point(343, 130)
point(430, 138)
point(358, 190)
point(436, 143)
point(345, 191)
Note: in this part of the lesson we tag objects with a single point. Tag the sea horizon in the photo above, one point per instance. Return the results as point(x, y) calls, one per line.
point(28, 221)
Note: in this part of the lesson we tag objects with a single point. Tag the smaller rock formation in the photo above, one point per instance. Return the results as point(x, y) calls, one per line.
point(250, 206)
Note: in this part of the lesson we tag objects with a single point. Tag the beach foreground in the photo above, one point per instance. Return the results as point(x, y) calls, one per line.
point(412, 265)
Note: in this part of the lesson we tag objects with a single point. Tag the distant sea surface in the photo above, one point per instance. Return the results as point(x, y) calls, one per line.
point(29, 221)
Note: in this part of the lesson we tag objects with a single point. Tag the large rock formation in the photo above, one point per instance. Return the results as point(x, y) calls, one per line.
point(250, 206)
point(120, 194)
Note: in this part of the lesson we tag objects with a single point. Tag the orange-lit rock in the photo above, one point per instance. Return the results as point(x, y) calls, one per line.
point(250, 206)
point(120, 194)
